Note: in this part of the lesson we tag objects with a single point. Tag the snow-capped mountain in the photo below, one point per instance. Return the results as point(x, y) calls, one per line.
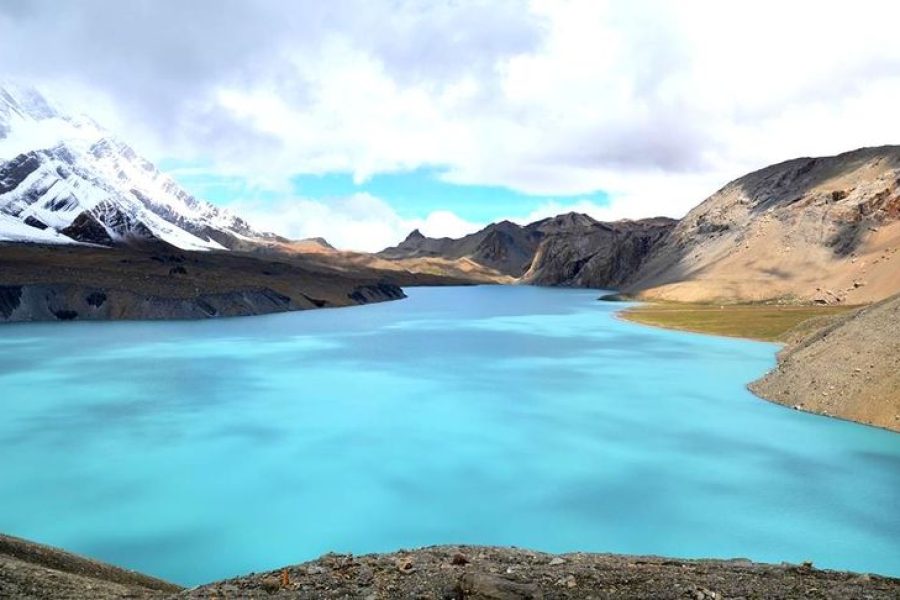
point(64, 179)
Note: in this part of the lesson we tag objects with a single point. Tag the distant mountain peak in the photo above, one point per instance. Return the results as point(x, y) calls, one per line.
point(320, 241)
point(26, 101)
point(568, 249)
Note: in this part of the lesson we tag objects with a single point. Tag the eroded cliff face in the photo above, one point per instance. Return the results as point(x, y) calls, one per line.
point(823, 230)
point(70, 302)
point(597, 255)
point(76, 284)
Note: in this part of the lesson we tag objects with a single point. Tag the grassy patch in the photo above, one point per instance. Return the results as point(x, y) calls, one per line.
point(755, 321)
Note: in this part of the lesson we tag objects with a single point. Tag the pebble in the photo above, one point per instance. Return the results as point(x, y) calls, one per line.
point(557, 561)
point(405, 565)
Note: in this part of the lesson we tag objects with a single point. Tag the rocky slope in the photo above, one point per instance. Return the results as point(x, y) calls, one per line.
point(64, 179)
point(823, 230)
point(569, 250)
point(39, 283)
point(593, 254)
point(850, 368)
point(29, 570)
point(449, 572)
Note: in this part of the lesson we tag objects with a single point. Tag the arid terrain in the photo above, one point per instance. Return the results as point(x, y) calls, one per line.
point(765, 322)
point(160, 282)
point(30, 570)
point(809, 230)
point(848, 368)
point(806, 231)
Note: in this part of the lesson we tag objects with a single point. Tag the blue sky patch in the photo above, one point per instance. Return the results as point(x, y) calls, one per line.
point(412, 194)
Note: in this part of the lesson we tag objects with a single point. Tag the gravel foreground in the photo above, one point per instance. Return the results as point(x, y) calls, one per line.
point(30, 570)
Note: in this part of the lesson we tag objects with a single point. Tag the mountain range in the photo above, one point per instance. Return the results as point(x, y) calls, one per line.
point(823, 230)
point(568, 250)
point(810, 230)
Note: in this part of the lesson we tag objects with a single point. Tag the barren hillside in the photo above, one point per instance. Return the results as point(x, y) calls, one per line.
point(824, 230)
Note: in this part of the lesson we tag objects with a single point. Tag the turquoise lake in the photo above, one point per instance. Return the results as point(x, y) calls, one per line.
point(483, 415)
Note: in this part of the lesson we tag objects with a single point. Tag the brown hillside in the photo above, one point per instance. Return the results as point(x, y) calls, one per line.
point(823, 230)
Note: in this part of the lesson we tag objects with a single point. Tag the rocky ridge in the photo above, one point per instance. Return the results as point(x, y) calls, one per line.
point(567, 250)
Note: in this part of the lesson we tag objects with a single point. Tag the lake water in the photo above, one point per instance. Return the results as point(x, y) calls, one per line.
point(484, 415)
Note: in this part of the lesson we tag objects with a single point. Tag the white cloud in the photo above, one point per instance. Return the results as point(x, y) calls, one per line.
point(358, 222)
point(657, 103)
point(364, 222)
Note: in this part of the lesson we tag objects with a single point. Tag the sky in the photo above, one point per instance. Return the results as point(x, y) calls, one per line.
point(361, 120)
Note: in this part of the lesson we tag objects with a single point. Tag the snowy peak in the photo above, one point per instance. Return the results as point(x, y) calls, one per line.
point(67, 176)
point(23, 103)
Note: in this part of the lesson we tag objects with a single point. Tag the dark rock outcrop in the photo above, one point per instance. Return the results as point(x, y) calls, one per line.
point(36, 223)
point(15, 171)
point(377, 292)
point(86, 228)
point(10, 298)
point(595, 254)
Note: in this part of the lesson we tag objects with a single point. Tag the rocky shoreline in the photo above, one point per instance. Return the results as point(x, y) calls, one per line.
point(845, 367)
point(33, 571)
point(491, 573)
